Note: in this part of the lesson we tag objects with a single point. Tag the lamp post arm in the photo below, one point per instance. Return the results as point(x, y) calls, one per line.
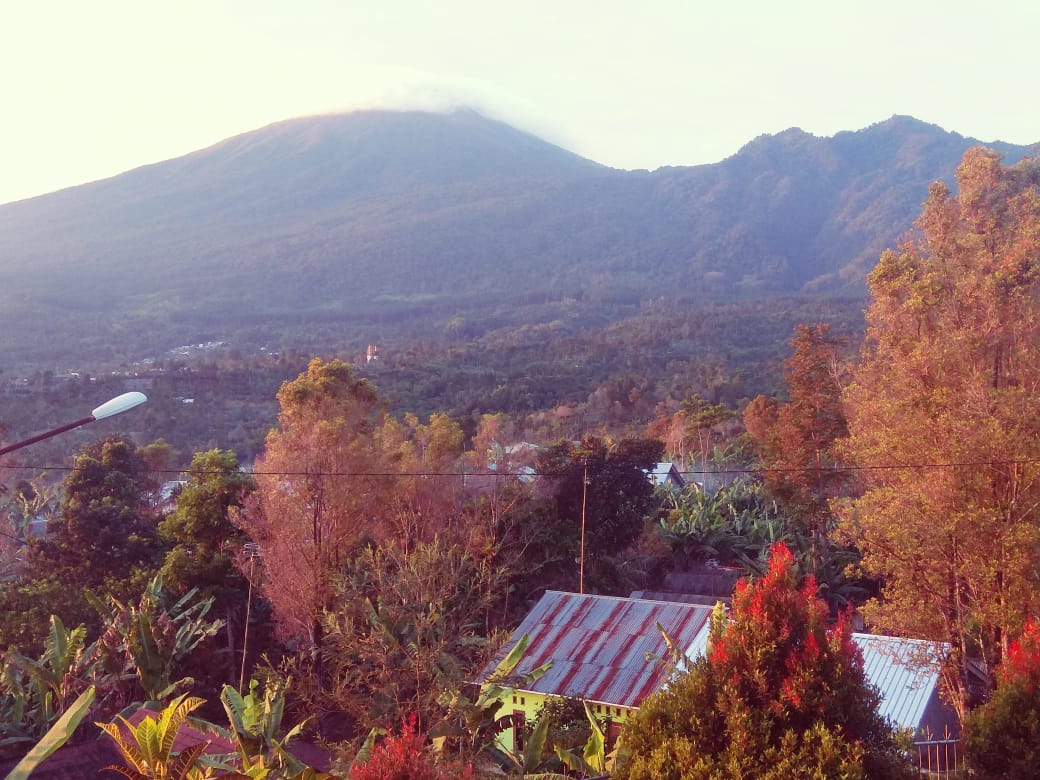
point(26, 442)
point(117, 405)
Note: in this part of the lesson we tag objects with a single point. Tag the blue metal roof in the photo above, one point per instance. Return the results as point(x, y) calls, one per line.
point(905, 672)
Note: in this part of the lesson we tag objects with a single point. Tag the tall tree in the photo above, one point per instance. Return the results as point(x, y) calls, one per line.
point(319, 493)
point(796, 442)
point(605, 485)
point(207, 547)
point(103, 541)
point(943, 414)
point(105, 519)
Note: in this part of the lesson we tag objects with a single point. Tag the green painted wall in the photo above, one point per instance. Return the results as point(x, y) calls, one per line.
point(528, 704)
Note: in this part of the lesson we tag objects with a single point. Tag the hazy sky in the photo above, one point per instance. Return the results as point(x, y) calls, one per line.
point(91, 89)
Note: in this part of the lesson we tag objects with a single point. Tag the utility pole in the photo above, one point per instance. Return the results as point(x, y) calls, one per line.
point(252, 551)
point(581, 554)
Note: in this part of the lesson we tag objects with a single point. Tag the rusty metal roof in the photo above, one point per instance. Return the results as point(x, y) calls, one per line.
point(598, 645)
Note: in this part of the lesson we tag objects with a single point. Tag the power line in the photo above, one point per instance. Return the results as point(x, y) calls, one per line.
point(759, 470)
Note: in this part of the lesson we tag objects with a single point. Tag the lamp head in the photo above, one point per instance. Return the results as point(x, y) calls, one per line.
point(118, 405)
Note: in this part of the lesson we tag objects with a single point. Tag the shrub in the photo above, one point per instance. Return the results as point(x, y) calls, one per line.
point(1002, 737)
point(406, 757)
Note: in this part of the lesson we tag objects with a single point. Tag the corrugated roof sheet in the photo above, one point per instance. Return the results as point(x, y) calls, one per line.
point(905, 672)
point(598, 645)
point(680, 598)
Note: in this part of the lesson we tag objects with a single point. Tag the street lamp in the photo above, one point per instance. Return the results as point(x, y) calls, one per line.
point(117, 405)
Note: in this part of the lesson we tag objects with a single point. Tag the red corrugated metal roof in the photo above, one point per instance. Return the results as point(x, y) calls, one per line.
point(598, 645)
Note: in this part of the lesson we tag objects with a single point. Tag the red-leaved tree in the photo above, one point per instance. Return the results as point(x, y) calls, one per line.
point(779, 694)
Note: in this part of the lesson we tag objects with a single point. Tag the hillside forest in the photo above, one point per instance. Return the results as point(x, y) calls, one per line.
point(349, 543)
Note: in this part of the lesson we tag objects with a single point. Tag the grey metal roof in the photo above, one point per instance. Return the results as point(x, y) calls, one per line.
point(905, 672)
point(599, 645)
point(664, 473)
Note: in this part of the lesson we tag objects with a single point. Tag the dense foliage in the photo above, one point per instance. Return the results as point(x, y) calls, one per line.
point(571, 374)
point(102, 542)
point(943, 409)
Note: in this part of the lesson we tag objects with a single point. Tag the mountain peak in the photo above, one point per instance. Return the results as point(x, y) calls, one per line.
point(376, 148)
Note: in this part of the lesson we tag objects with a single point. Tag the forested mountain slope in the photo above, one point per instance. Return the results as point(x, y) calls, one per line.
point(337, 230)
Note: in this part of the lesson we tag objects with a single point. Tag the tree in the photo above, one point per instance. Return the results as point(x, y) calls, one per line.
point(778, 695)
point(605, 483)
point(796, 440)
point(797, 443)
point(319, 493)
point(206, 543)
point(943, 412)
point(407, 625)
point(103, 541)
point(422, 494)
point(702, 418)
point(105, 528)
point(207, 547)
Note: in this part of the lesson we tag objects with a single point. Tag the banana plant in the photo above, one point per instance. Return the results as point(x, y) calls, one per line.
point(147, 748)
point(153, 636)
point(256, 730)
point(594, 760)
point(475, 719)
point(35, 692)
point(56, 736)
point(530, 760)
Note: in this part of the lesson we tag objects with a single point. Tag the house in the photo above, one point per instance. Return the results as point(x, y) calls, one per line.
point(906, 672)
point(604, 650)
point(712, 476)
point(668, 475)
point(503, 464)
point(599, 648)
